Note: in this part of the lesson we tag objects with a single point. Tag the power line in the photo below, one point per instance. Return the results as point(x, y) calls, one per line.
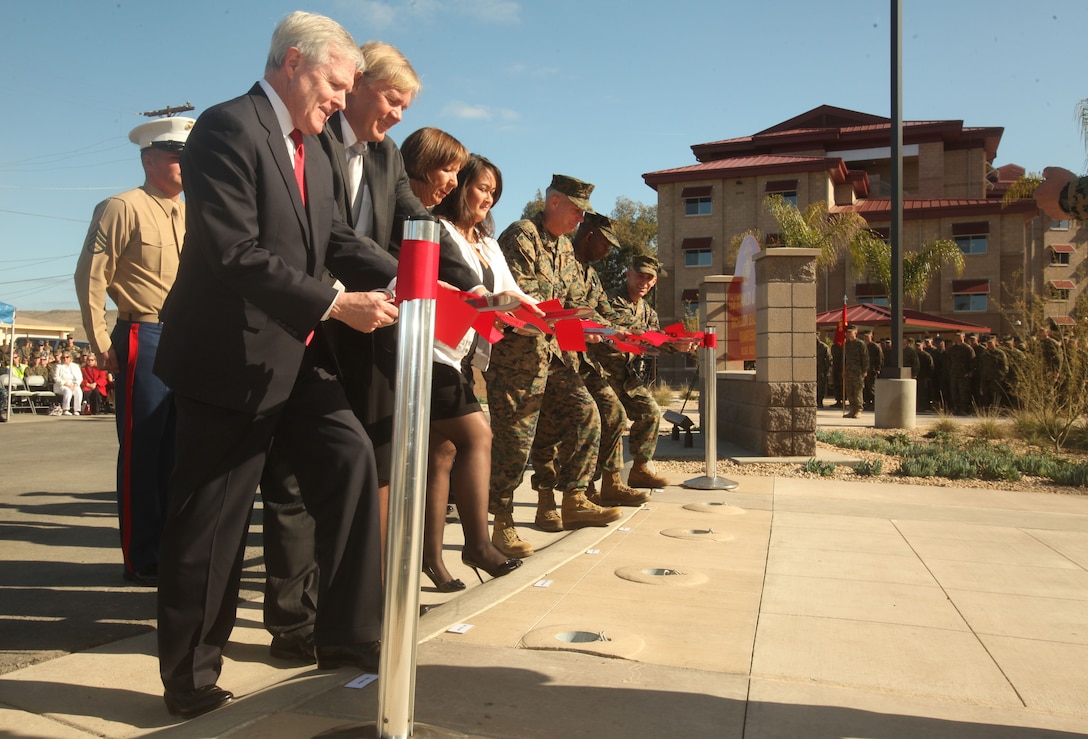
point(40, 215)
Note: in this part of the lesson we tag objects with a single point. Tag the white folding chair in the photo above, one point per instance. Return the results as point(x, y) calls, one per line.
point(21, 396)
point(38, 388)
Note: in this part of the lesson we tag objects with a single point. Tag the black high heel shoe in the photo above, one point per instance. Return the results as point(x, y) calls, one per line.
point(499, 570)
point(450, 586)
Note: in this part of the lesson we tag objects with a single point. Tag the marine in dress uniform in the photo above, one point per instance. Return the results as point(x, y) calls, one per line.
point(131, 254)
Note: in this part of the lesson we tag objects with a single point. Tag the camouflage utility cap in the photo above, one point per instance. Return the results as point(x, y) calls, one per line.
point(576, 190)
point(602, 224)
point(648, 265)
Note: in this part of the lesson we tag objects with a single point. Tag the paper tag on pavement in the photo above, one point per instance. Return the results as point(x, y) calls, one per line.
point(459, 628)
point(362, 681)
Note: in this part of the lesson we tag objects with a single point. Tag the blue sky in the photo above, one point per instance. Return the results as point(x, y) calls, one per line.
point(604, 90)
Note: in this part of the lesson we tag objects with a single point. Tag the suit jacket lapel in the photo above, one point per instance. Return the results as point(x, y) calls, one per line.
point(267, 118)
point(381, 190)
point(337, 153)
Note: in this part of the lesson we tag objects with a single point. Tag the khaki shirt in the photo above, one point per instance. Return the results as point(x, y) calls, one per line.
point(131, 253)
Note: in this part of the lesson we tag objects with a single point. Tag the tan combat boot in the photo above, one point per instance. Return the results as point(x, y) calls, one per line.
point(641, 477)
point(505, 537)
point(614, 492)
point(591, 493)
point(578, 512)
point(547, 518)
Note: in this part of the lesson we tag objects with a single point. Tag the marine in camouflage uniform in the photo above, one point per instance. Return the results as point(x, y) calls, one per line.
point(530, 382)
point(634, 315)
point(925, 376)
point(594, 239)
point(823, 370)
point(855, 367)
point(993, 366)
point(961, 368)
point(876, 362)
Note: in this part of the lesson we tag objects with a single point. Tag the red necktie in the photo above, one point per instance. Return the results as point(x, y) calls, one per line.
point(300, 164)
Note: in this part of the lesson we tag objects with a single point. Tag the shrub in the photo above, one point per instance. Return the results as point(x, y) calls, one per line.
point(663, 393)
point(1036, 465)
point(989, 428)
point(1069, 473)
point(925, 466)
point(865, 468)
point(819, 467)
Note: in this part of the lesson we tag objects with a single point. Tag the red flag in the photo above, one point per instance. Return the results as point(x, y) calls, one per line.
point(840, 330)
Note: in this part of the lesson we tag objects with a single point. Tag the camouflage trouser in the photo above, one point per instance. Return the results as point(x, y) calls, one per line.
point(962, 399)
point(645, 415)
point(854, 385)
point(613, 423)
point(556, 405)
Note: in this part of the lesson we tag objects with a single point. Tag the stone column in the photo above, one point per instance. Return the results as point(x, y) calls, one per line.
point(786, 349)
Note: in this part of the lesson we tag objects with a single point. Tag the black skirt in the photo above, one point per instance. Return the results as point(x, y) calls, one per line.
point(453, 393)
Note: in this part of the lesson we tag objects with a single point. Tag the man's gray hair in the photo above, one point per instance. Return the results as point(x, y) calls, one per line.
point(316, 36)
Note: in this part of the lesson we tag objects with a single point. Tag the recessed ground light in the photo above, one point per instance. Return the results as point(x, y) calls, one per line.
point(606, 639)
point(715, 506)
point(661, 576)
point(707, 534)
point(581, 637)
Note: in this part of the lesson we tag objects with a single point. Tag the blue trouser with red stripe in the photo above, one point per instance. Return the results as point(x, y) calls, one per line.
point(145, 434)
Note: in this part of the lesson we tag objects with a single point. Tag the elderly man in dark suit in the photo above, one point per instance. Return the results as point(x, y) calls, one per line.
point(262, 227)
point(373, 195)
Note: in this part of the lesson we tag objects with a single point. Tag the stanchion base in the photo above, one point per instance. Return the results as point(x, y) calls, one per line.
point(369, 730)
point(711, 483)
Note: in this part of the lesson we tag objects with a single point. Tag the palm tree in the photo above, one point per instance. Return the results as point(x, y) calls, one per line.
point(868, 254)
point(816, 228)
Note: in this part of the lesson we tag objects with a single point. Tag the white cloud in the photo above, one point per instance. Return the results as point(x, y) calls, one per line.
point(490, 11)
point(466, 112)
point(375, 14)
point(382, 14)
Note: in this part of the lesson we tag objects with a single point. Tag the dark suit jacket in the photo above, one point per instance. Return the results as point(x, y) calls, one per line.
point(393, 199)
point(248, 290)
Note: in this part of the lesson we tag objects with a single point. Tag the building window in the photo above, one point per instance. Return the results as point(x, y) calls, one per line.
point(971, 237)
point(786, 188)
point(970, 296)
point(1062, 225)
point(697, 207)
point(697, 201)
point(871, 293)
point(697, 252)
point(698, 258)
point(972, 244)
point(1061, 289)
point(1060, 254)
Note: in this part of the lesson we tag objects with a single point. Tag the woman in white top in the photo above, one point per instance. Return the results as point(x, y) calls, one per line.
point(459, 430)
point(66, 384)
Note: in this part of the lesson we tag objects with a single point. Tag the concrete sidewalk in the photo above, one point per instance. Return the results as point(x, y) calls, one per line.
point(784, 608)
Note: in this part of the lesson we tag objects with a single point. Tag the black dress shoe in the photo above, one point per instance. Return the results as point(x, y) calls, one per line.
point(363, 656)
point(189, 703)
point(144, 580)
point(294, 648)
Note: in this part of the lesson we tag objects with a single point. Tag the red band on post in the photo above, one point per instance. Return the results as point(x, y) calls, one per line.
point(417, 272)
point(710, 341)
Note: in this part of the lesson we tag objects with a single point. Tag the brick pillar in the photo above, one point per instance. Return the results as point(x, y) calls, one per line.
point(786, 349)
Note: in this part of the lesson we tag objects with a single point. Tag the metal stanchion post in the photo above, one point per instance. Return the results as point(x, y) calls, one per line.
point(417, 285)
point(708, 422)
